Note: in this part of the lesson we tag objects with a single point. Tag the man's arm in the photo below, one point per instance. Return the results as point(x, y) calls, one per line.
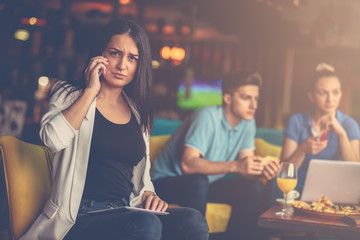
point(246, 153)
point(192, 162)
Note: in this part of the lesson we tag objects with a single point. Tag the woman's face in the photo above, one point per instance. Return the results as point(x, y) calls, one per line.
point(123, 56)
point(326, 94)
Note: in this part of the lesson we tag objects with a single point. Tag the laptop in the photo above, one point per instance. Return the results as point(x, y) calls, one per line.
point(339, 181)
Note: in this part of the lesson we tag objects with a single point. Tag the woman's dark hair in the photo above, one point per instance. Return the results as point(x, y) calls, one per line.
point(139, 89)
point(322, 70)
point(236, 79)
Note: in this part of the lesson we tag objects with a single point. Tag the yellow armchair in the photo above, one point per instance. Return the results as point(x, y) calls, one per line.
point(26, 182)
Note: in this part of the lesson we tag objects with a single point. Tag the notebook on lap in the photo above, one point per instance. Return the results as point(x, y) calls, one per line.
point(127, 208)
point(339, 181)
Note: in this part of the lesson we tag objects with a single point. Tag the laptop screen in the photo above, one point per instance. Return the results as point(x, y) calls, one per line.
point(339, 181)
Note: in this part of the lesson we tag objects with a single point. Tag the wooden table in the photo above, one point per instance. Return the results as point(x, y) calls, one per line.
point(308, 224)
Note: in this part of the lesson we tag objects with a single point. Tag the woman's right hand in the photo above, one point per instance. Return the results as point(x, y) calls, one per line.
point(153, 202)
point(313, 146)
point(93, 71)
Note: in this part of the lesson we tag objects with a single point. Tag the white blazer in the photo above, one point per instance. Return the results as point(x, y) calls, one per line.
point(72, 148)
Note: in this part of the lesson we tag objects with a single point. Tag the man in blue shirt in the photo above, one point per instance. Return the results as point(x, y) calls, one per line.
point(212, 143)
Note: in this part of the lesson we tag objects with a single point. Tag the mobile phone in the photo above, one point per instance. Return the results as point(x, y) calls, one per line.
point(101, 70)
point(314, 133)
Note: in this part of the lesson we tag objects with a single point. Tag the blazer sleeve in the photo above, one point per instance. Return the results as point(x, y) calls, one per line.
point(141, 176)
point(55, 131)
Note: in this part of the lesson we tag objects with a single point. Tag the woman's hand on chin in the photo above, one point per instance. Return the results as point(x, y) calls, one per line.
point(330, 122)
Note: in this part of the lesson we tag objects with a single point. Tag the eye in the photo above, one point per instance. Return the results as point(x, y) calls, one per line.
point(336, 92)
point(245, 97)
point(114, 53)
point(321, 93)
point(133, 58)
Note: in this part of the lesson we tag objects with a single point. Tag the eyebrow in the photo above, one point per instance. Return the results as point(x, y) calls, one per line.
point(331, 90)
point(248, 95)
point(117, 50)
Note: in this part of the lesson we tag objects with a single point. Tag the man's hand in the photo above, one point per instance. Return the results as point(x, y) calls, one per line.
point(249, 166)
point(270, 170)
point(152, 201)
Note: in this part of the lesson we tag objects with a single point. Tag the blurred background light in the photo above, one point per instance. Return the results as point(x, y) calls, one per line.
point(185, 30)
point(168, 29)
point(177, 53)
point(32, 21)
point(155, 64)
point(165, 52)
point(22, 34)
point(125, 2)
point(43, 81)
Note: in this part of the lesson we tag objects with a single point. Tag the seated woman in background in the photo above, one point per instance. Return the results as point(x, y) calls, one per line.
point(324, 133)
point(99, 130)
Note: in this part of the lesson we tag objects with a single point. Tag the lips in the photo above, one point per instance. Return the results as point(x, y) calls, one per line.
point(119, 75)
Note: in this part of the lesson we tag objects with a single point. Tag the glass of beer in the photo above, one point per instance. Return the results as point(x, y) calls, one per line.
point(286, 181)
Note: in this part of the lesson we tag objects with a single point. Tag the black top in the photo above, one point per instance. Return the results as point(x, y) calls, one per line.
point(115, 150)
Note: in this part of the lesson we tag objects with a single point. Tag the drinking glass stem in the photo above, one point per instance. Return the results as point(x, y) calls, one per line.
point(285, 200)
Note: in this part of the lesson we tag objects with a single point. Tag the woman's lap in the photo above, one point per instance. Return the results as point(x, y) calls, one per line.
point(117, 225)
point(181, 223)
point(184, 223)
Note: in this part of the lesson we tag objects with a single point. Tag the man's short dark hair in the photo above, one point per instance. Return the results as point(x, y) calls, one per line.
point(236, 79)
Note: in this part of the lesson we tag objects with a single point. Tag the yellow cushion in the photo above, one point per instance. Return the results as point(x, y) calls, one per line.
point(173, 205)
point(264, 148)
point(156, 145)
point(217, 216)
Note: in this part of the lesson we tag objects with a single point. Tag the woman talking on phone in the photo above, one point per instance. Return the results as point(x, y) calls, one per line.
point(99, 130)
point(324, 133)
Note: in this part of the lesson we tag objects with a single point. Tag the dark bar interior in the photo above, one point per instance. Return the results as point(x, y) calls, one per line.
point(194, 44)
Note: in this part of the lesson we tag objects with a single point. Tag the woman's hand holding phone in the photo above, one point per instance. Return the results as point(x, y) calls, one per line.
point(93, 72)
point(313, 146)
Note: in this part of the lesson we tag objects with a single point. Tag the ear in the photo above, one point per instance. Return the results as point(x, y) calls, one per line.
point(310, 96)
point(227, 98)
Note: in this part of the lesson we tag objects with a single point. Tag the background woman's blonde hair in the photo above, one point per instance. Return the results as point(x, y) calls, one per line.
point(324, 66)
point(322, 70)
